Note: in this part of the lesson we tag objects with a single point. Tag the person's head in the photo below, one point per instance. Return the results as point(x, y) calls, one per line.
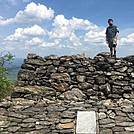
point(110, 22)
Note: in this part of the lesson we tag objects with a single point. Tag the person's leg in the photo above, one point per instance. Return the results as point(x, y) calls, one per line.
point(111, 51)
point(111, 48)
point(115, 51)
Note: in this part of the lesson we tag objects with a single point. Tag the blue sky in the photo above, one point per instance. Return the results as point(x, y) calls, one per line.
point(64, 27)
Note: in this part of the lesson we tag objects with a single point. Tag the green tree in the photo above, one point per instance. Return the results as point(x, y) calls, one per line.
point(5, 85)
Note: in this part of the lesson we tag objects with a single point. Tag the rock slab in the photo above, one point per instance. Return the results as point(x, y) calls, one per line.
point(86, 122)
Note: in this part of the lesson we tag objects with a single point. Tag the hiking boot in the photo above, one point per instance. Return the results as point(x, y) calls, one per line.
point(114, 55)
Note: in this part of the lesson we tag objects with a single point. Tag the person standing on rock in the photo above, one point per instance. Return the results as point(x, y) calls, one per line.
point(111, 37)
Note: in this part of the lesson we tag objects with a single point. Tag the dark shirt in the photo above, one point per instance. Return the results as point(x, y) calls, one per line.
point(111, 31)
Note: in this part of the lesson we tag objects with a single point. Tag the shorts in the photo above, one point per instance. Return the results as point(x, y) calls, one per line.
point(110, 43)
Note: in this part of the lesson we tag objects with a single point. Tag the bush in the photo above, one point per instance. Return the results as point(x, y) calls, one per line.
point(5, 85)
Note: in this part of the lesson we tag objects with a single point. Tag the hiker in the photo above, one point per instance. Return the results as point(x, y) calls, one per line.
point(111, 37)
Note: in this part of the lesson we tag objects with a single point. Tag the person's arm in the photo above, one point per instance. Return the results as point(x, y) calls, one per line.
point(106, 37)
point(116, 35)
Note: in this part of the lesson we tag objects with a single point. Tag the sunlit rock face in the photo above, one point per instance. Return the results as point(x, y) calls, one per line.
point(50, 90)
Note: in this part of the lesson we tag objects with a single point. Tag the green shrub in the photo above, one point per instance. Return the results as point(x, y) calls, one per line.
point(5, 85)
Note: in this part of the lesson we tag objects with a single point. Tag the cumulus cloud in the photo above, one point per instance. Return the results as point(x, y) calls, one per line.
point(1, 18)
point(35, 41)
point(39, 42)
point(96, 36)
point(33, 13)
point(62, 35)
point(67, 31)
point(22, 34)
point(127, 40)
point(63, 27)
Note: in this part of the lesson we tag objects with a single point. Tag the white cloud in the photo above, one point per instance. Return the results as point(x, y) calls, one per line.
point(39, 42)
point(127, 40)
point(74, 41)
point(64, 28)
point(33, 13)
point(96, 36)
point(1, 18)
point(6, 22)
point(48, 44)
point(61, 28)
point(7, 47)
point(62, 35)
point(35, 41)
point(22, 34)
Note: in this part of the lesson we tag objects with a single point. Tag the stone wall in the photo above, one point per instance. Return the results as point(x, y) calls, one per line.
point(50, 90)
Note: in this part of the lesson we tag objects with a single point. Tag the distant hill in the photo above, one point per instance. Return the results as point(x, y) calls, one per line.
point(13, 68)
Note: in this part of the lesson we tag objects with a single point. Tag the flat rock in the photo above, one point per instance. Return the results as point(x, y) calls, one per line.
point(86, 122)
point(65, 126)
point(129, 58)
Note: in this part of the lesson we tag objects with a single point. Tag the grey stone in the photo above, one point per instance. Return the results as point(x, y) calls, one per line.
point(106, 131)
point(106, 121)
point(85, 85)
point(51, 57)
point(27, 66)
point(27, 125)
point(91, 92)
point(100, 80)
point(111, 61)
point(122, 119)
point(125, 132)
point(80, 78)
point(26, 75)
point(30, 120)
point(129, 58)
point(39, 62)
point(41, 70)
point(13, 129)
point(91, 69)
point(111, 125)
point(13, 119)
point(32, 56)
point(132, 74)
point(106, 89)
point(81, 70)
point(131, 129)
point(125, 124)
point(74, 94)
point(118, 129)
point(12, 114)
point(112, 115)
point(104, 54)
point(61, 76)
point(102, 115)
point(128, 110)
point(62, 87)
point(6, 104)
point(41, 90)
point(52, 69)
point(131, 116)
point(86, 122)
point(123, 69)
point(67, 114)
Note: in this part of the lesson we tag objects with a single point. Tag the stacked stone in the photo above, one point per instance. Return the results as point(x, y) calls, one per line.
point(50, 90)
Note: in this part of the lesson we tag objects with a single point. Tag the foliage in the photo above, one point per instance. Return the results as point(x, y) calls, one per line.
point(5, 85)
